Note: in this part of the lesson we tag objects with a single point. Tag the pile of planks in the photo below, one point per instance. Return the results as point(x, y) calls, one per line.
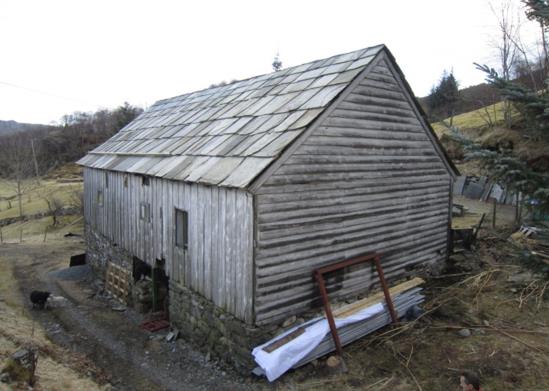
point(350, 326)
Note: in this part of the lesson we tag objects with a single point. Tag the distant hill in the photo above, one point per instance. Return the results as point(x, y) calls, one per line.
point(481, 95)
point(472, 98)
point(10, 127)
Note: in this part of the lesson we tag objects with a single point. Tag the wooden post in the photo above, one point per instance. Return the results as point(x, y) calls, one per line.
point(154, 288)
point(517, 209)
point(35, 162)
point(495, 203)
point(1, 239)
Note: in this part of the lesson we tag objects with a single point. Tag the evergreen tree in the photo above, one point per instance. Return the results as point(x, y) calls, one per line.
point(443, 98)
point(533, 107)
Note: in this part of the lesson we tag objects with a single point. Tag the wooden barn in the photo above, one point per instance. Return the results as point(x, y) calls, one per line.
point(240, 191)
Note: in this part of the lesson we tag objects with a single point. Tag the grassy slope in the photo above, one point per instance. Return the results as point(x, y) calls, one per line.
point(476, 127)
point(63, 184)
point(473, 120)
point(57, 369)
point(33, 201)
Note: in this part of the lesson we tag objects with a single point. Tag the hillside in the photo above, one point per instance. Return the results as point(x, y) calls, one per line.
point(10, 127)
point(486, 127)
point(482, 95)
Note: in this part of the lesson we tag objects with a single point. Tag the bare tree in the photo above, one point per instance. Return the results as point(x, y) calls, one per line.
point(16, 162)
point(508, 20)
point(55, 207)
point(77, 200)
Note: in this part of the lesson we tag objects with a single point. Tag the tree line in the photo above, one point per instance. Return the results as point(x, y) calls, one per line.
point(36, 151)
point(27, 155)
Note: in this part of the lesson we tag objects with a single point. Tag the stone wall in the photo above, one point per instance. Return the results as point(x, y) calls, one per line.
point(207, 327)
point(101, 250)
point(214, 331)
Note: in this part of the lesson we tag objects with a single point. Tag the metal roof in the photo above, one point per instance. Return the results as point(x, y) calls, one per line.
point(228, 135)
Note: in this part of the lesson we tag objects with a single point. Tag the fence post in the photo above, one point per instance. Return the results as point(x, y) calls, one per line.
point(495, 203)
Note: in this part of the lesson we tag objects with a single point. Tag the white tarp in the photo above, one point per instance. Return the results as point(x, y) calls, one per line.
point(286, 356)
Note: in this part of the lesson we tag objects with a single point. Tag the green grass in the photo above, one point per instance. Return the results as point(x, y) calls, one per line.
point(33, 230)
point(33, 201)
point(476, 119)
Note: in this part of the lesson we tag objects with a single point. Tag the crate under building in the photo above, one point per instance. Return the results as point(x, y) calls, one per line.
point(238, 192)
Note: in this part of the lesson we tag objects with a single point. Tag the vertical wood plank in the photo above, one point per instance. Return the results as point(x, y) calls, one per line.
point(214, 258)
point(207, 239)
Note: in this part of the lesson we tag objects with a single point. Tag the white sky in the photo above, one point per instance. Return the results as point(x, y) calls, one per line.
point(84, 55)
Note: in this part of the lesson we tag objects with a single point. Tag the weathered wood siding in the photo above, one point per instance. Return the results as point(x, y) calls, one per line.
point(367, 179)
point(218, 262)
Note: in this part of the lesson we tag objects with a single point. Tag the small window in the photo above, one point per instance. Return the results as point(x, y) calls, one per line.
point(145, 211)
point(145, 180)
point(125, 181)
point(106, 180)
point(181, 228)
point(100, 197)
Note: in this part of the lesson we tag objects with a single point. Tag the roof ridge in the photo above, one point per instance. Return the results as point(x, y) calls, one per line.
point(281, 72)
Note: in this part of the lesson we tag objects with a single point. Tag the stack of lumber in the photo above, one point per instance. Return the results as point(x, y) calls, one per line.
point(353, 321)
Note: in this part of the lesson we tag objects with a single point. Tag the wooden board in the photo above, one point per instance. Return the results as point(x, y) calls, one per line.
point(469, 221)
point(359, 305)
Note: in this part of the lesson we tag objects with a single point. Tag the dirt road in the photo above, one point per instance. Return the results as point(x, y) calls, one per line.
point(132, 359)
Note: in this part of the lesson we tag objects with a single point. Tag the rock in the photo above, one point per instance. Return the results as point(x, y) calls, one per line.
point(119, 308)
point(464, 333)
point(335, 365)
point(333, 361)
point(5, 377)
point(290, 321)
point(172, 335)
point(20, 355)
point(521, 278)
point(20, 366)
point(486, 323)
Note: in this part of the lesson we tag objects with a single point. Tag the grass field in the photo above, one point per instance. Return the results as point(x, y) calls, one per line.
point(33, 201)
point(476, 119)
point(64, 184)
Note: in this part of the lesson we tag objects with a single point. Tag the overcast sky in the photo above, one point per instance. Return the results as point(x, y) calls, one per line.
point(58, 57)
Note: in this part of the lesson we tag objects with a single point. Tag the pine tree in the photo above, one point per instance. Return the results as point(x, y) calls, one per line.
point(519, 174)
point(443, 98)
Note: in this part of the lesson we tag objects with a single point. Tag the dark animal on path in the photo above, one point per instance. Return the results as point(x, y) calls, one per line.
point(39, 299)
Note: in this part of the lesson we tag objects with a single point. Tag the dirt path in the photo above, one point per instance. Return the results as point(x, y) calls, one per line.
point(133, 359)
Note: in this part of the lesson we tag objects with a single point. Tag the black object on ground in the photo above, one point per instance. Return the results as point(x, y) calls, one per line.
point(77, 260)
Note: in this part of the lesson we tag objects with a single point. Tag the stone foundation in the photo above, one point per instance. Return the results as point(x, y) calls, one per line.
point(101, 250)
point(213, 330)
point(207, 327)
